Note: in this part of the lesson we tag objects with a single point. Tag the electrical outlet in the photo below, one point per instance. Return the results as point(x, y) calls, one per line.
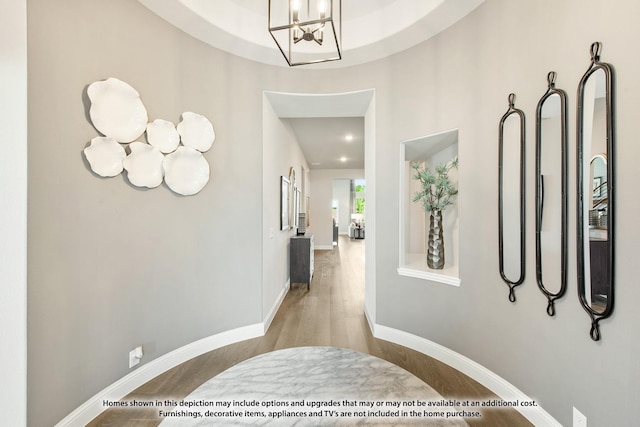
point(579, 420)
point(135, 356)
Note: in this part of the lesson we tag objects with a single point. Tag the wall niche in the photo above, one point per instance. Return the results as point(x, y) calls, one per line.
point(430, 150)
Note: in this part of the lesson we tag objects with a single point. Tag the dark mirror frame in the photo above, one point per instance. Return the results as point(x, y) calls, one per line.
point(552, 91)
point(512, 284)
point(581, 215)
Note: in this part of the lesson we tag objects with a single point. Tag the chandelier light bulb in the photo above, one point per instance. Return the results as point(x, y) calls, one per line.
point(295, 6)
point(322, 8)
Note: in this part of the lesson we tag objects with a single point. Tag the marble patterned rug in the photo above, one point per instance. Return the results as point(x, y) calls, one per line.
point(314, 386)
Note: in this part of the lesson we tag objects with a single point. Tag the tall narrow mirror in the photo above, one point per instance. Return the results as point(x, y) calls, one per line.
point(551, 193)
point(293, 198)
point(595, 185)
point(511, 197)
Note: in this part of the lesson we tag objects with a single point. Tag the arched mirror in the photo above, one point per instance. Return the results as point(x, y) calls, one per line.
point(551, 193)
point(511, 196)
point(595, 185)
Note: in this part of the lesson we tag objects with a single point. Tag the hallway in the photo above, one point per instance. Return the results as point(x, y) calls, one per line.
point(329, 314)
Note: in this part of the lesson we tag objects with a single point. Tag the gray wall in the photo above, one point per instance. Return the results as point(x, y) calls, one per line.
point(111, 266)
point(281, 153)
point(342, 194)
point(462, 79)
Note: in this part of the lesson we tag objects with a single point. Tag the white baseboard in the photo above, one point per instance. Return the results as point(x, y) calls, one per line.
point(323, 247)
point(116, 391)
point(495, 383)
point(372, 323)
point(272, 313)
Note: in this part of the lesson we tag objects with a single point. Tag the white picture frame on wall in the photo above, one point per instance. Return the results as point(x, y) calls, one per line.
point(284, 203)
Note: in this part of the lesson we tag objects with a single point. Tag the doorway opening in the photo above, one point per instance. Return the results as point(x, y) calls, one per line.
point(360, 104)
point(348, 208)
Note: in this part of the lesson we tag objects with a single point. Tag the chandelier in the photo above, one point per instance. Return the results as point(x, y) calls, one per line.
point(307, 32)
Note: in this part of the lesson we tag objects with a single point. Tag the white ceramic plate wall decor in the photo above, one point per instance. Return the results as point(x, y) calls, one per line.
point(105, 156)
point(196, 131)
point(163, 134)
point(186, 171)
point(117, 110)
point(144, 165)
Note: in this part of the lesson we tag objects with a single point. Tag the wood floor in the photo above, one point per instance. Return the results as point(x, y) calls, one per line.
point(330, 314)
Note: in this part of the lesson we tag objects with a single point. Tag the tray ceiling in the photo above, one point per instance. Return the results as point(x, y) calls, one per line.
point(372, 29)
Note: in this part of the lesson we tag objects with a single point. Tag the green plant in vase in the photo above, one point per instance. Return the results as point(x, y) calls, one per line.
point(436, 194)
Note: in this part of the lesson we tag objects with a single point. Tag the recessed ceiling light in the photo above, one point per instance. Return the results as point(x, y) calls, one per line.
point(343, 159)
point(349, 137)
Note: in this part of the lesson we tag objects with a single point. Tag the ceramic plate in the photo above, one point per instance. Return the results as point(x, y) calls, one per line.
point(105, 156)
point(144, 165)
point(163, 135)
point(117, 110)
point(186, 171)
point(196, 131)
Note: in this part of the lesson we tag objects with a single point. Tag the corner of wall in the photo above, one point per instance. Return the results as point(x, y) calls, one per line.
point(13, 211)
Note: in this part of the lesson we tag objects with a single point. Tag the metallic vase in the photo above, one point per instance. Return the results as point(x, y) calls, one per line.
point(435, 242)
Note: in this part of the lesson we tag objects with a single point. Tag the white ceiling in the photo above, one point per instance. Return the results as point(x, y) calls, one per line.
point(349, 7)
point(324, 144)
point(322, 121)
point(371, 29)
